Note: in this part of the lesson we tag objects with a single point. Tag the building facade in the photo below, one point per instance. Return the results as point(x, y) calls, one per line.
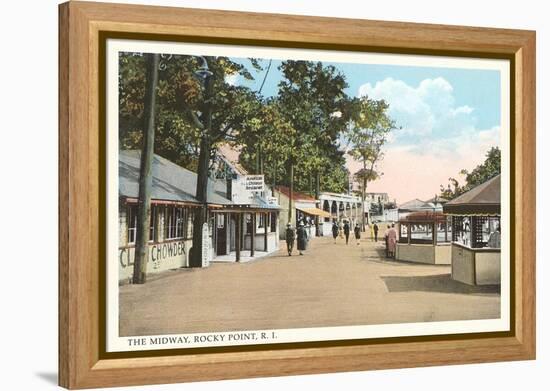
point(339, 207)
point(303, 209)
point(233, 228)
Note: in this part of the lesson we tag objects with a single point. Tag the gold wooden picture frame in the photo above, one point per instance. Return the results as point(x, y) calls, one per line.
point(84, 29)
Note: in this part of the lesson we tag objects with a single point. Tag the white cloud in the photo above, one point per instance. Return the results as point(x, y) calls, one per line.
point(438, 137)
point(426, 110)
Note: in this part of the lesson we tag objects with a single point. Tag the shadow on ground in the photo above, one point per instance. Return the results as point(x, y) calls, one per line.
point(379, 256)
point(441, 283)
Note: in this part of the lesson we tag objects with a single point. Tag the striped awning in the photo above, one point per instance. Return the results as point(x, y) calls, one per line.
point(314, 212)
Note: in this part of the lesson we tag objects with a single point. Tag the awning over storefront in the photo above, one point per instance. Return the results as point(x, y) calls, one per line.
point(314, 212)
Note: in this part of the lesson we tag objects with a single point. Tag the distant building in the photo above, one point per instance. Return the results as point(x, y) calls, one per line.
point(377, 198)
point(380, 207)
point(304, 209)
point(417, 205)
point(339, 207)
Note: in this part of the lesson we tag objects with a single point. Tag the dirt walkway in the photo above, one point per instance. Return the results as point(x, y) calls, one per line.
point(332, 285)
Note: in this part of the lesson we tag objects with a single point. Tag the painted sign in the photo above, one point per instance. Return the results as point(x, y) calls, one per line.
point(254, 183)
point(162, 256)
point(272, 201)
point(244, 188)
point(205, 246)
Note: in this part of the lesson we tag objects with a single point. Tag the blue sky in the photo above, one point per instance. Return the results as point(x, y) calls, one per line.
point(448, 119)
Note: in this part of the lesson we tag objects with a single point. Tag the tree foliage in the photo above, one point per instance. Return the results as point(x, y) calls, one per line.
point(371, 126)
point(181, 104)
point(304, 125)
point(480, 174)
point(312, 100)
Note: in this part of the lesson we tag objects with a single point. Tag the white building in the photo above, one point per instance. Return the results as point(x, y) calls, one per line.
point(304, 209)
point(339, 207)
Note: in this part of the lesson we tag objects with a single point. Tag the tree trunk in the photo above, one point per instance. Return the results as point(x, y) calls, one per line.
point(195, 260)
point(364, 195)
point(146, 173)
point(291, 191)
point(317, 195)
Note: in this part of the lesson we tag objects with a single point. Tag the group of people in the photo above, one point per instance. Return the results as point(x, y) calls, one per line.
point(300, 234)
point(345, 230)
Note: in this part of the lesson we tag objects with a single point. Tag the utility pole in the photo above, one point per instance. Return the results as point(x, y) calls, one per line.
point(202, 173)
point(290, 191)
point(364, 196)
point(141, 254)
point(317, 196)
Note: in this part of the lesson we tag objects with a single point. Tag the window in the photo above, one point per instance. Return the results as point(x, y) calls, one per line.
point(489, 231)
point(273, 221)
point(132, 223)
point(403, 234)
point(421, 232)
point(221, 220)
point(175, 222)
point(444, 230)
point(477, 231)
point(153, 224)
point(190, 222)
point(131, 218)
point(248, 224)
point(462, 230)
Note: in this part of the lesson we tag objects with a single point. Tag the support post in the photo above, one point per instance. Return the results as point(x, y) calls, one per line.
point(202, 178)
point(238, 237)
point(146, 172)
point(253, 233)
point(290, 192)
point(265, 231)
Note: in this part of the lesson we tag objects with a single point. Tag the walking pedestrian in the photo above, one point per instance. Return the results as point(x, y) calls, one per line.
point(357, 232)
point(335, 230)
point(346, 231)
point(371, 229)
point(302, 238)
point(290, 235)
point(375, 229)
point(386, 239)
point(392, 241)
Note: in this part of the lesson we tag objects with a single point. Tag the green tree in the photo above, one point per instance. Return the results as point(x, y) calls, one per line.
point(180, 104)
point(480, 174)
point(370, 128)
point(266, 142)
point(310, 94)
point(196, 109)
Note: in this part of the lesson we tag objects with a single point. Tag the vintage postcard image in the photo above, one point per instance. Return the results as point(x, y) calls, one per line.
point(266, 195)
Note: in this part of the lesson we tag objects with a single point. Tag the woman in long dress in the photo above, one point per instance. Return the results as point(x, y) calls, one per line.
point(302, 238)
point(392, 241)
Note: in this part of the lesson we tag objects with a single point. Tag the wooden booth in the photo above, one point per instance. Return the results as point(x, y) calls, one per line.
point(424, 237)
point(476, 234)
